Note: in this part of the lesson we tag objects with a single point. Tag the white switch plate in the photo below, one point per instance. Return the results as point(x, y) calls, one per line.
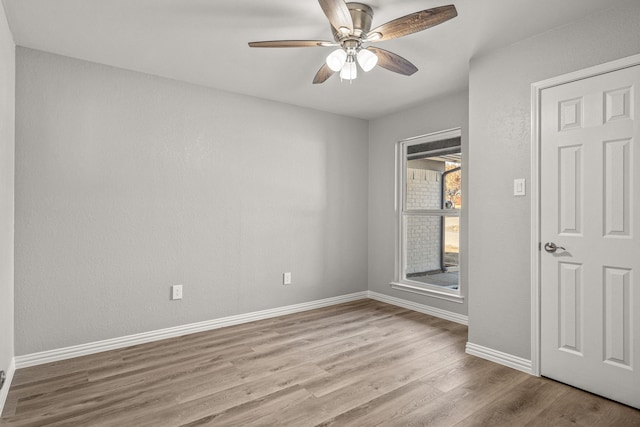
point(286, 278)
point(519, 187)
point(176, 292)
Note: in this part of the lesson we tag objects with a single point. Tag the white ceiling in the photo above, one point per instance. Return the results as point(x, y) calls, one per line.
point(205, 42)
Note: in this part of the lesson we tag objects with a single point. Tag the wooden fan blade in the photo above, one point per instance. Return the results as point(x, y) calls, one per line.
point(323, 74)
point(412, 23)
point(338, 14)
point(292, 43)
point(393, 62)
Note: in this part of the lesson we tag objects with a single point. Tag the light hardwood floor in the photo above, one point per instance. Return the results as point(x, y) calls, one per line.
point(363, 363)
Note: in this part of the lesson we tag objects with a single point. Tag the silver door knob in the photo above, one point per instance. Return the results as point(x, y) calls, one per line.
point(552, 247)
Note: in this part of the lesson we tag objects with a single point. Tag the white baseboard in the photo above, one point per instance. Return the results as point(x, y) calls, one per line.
point(7, 384)
point(145, 337)
point(496, 356)
point(432, 311)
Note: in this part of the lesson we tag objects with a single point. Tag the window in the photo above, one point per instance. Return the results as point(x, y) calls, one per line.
point(429, 198)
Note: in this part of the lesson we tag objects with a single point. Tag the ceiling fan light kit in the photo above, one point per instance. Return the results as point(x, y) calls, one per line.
point(351, 29)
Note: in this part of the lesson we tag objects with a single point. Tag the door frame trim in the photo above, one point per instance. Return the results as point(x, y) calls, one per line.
point(536, 94)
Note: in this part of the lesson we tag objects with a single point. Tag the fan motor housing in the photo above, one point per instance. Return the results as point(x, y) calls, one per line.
point(362, 15)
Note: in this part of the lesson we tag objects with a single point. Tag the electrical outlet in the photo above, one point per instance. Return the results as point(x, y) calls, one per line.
point(286, 278)
point(176, 292)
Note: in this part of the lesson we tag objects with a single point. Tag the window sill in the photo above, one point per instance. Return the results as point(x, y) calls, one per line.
point(416, 289)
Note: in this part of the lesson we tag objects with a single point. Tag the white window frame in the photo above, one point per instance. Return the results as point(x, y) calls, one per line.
point(400, 282)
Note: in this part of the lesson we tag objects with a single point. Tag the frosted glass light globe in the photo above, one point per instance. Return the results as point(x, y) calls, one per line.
point(367, 59)
point(336, 60)
point(349, 71)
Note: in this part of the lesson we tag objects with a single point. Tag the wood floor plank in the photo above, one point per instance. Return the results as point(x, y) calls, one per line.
point(255, 411)
point(351, 359)
point(387, 407)
point(63, 367)
point(362, 363)
point(191, 407)
point(49, 385)
point(404, 362)
point(155, 396)
point(91, 400)
point(457, 404)
point(577, 407)
point(522, 405)
point(463, 370)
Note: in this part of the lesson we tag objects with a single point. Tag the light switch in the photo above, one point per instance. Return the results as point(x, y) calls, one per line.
point(519, 187)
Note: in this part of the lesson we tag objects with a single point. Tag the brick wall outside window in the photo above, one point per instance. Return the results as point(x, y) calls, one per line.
point(423, 233)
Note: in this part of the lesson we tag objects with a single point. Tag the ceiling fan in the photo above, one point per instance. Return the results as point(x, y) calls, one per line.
point(351, 29)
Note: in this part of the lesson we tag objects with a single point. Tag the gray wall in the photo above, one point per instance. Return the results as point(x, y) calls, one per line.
point(128, 183)
point(435, 115)
point(7, 120)
point(499, 127)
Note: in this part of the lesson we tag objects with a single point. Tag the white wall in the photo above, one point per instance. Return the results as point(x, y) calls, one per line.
point(128, 183)
point(499, 130)
point(7, 121)
point(432, 116)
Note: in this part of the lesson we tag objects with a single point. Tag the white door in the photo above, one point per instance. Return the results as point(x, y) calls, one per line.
point(590, 209)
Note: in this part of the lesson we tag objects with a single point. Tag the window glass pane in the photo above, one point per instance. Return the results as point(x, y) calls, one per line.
point(423, 245)
point(432, 199)
point(424, 186)
point(451, 243)
point(452, 186)
point(427, 259)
